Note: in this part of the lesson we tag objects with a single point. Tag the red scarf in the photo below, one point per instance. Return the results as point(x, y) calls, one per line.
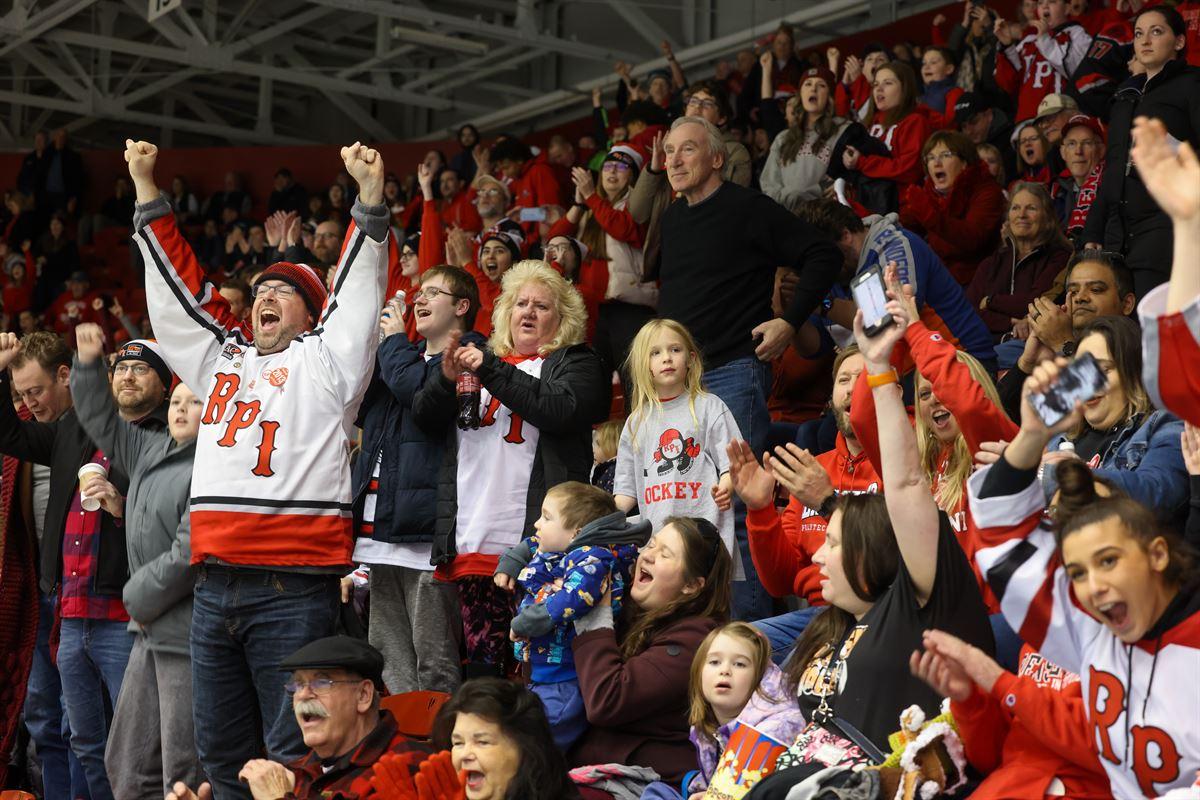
point(1087, 196)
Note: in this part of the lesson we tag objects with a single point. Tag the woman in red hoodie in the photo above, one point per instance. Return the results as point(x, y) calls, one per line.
point(897, 121)
point(959, 208)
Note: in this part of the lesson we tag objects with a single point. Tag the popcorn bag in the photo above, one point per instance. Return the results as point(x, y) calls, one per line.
point(749, 757)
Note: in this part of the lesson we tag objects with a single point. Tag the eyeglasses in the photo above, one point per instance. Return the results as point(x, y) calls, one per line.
point(614, 166)
point(707, 105)
point(431, 293)
point(942, 156)
point(139, 370)
point(318, 686)
point(279, 289)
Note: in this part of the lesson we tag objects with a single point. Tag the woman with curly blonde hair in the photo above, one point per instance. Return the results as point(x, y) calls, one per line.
point(540, 390)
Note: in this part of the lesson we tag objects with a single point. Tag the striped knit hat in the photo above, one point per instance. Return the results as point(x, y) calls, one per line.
point(146, 350)
point(304, 278)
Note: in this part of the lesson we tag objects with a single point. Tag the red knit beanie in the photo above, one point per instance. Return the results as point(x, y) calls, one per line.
point(306, 280)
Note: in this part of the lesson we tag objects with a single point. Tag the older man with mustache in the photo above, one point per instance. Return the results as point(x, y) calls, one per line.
point(335, 684)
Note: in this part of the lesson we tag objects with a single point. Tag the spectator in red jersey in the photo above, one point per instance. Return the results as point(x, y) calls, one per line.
point(455, 204)
point(18, 291)
point(853, 94)
point(941, 89)
point(1028, 264)
point(1032, 156)
point(782, 546)
point(959, 208)
point(1044, 60)
point(499, 250)
point(1022, 730)
point(74, 306)
point(531, 181)
point(898, 122)
point(609, 231)
point(1074, 190)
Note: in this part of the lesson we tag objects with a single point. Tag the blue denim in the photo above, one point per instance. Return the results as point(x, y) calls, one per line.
point(784, 630)
point(46, 718)
point(1007, 353)
point(244, 623)
point(564, 709)
point(743, 385)
point(92, 654)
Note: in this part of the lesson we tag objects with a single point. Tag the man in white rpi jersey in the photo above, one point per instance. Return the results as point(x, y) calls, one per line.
point(270, 499)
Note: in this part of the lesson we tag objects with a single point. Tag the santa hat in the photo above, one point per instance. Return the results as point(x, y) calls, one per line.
point(581, 249)
point(304, 279)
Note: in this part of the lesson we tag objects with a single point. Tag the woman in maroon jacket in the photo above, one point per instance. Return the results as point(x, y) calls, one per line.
point(1029, 263)
point(634, 678)
point(959, 207)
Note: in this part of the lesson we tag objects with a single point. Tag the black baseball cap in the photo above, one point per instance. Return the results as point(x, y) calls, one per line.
point(968, 106)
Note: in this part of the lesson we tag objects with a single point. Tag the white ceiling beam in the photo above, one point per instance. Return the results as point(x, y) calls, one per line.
point(440, 41)
point(52, 71)
point(220, 60)
point(462, 68)
point(271, 32)
point(640, 21)
point(208, 17)
point(503, 65)
point(129, 77)
point(490, 30)
point(355, 112)
point(154, 88)
point(163, 26)
point(52, 17)
point(65, 53)
point(248, 8)
point(192, 27)
point(375, 61)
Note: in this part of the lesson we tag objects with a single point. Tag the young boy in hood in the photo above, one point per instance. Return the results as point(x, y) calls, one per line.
point(582, 549)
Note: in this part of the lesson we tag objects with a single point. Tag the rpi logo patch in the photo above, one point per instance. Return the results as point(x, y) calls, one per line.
point(231, 351)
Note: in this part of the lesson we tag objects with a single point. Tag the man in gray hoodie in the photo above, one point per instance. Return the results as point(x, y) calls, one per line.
point(151, 744)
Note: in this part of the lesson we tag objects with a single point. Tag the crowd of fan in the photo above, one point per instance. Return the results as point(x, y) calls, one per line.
point(682, 419)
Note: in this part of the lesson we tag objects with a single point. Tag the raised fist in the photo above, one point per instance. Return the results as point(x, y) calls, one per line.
point(89, 342)
point(10, 346)
point(140, 157)
point(366, 167)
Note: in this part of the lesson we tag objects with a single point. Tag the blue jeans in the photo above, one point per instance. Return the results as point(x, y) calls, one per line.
point(46, 718)
point(244, 622)
point(564, 710)
point(92, 654)
point(1007, 353)
point(743, 385)
point(784, 630)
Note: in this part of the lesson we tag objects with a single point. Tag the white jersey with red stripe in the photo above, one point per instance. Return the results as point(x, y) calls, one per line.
point(1142, 700)
point(271, 484)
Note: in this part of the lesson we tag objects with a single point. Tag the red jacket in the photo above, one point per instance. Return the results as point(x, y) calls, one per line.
point(979, 420)
point(904, 139)
point(1031, 729)
point(962, 227)
point(638, 708)
point(1033, 68)
point(782, 546)
point(1190, 11)
point(591, 281)
point(461, 213)
point(851, 100)
point(349, 777)
point(1171, 346)
point(534, 186)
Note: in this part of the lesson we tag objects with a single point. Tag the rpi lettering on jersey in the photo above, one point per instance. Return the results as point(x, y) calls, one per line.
point(1155, 754)
point(245, 414)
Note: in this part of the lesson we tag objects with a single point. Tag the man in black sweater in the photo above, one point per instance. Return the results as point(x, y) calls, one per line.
point(721, 245)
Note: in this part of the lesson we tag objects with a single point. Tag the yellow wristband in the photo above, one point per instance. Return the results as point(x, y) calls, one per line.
point(883, 379)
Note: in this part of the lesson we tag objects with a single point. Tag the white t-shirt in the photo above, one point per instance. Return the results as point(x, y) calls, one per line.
point(494, 466)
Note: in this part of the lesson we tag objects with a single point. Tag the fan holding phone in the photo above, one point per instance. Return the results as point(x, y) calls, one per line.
point(1100, 405)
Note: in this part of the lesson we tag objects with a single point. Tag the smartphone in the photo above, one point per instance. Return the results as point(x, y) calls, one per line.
point(537, 214)
point(870, 295)
point(1081, 380)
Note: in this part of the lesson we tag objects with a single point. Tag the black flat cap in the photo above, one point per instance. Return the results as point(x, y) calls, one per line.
point(338, 652)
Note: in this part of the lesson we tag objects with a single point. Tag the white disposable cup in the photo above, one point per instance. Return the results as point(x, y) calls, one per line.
point(87, 474)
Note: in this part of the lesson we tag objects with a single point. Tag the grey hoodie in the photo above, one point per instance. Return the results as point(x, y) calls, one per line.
point(158, 595)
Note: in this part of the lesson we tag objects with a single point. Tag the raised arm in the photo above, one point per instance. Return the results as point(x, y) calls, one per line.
point(910, 503)
point(191, 319)
point(94, 403)
point(348, 323)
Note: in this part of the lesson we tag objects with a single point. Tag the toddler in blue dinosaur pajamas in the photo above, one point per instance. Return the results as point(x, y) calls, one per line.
point(582, 548)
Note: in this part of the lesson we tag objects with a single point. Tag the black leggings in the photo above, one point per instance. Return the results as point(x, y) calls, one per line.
point(616, 325)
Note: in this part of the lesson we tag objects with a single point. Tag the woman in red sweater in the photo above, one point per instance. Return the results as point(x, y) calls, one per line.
point(897, 121)
point(959, 208)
